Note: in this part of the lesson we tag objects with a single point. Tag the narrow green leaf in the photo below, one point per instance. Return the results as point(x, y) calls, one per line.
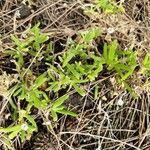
point(10, 129)
point(105, 52)
point(31, 120)
point(45, 96)
point(33, 98)
point(66, 81)
point(23, 136)
point(31, 129)
point(79, 90)
point(36, 29)
point(18, 91)
point(146, 62)
point(49, 48)
point(74, 72)
point(120, 66)
point(80, 68)
point(67, 59)
point(23, 93)
point(13, 134)
point(13, 105)
point(53, 85)
point(16, 40)
point(129, 73)
point(112, 50)
point(59, 108)
point(54, 115)
point(39, 81)
point(67, 112)
point(90, 35)
point(60, 101)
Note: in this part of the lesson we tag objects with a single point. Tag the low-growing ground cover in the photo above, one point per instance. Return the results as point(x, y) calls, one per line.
point(74, 74)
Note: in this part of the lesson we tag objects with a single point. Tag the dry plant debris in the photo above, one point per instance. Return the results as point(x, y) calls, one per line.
point(109, 116)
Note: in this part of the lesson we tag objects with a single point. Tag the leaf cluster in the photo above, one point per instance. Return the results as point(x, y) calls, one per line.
point(104, 6)
point(109, 6)
point(79, 64)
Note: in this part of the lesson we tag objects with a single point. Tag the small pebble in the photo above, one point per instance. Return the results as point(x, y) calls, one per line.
point(120, 102)
point(110, 30)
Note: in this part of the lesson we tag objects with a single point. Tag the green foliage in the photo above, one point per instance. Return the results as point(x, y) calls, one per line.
point(29, 92)
point(109, 6)
point(32, 44)
point(24, 128)
point(145, 70)
point(122, 62)
point(89, 35)
point(28, 89)
point(74, 68)
point(58, 107)
point(104, 6)
point(78, 65)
